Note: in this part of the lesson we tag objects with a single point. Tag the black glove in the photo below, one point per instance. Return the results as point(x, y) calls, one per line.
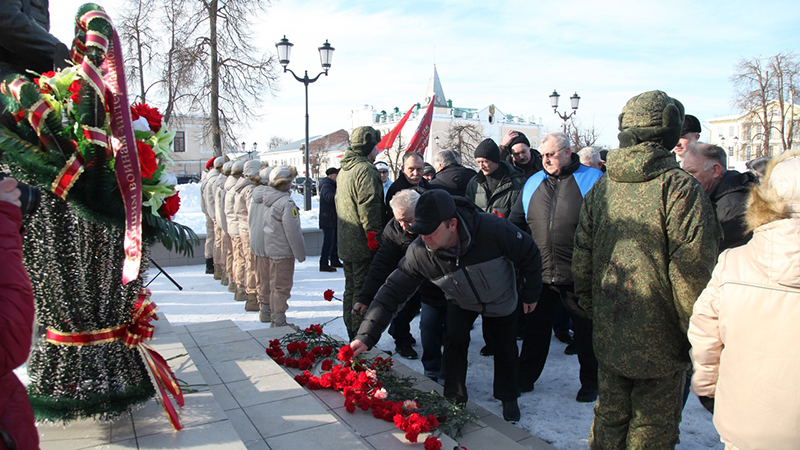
point(708, 403)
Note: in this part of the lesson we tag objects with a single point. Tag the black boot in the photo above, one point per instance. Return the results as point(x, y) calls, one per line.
point(210, 265)
point(511, 411)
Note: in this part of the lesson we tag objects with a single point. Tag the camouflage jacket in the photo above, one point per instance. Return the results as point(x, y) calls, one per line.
point(359, 205)
point(645, 247)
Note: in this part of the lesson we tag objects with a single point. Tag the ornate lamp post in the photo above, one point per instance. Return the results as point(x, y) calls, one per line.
point(574, 99)
point(325, 55)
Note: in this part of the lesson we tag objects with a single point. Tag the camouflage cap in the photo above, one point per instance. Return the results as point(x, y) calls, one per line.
point(652, 116)
point(364, 139)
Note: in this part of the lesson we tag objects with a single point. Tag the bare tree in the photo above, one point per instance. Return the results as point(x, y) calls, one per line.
point(765, 89)
point(394, 156)
point(580, 136)
point(277, 141)
point(134, 30)
point(464, 138)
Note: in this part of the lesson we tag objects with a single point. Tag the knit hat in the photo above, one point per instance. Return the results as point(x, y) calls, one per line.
point(488, 149)
point(364, 139)
point(785, 181)
point(281, 177)
point(264, 175)
point(238, 168)
point(690, 125)
point(218, 162)
point(428, 169)
point(380, 165)
point(652, 116)
point(210, 164)
point(433, 207)
point(226, 168)
point(520, 139)
point(251, 168)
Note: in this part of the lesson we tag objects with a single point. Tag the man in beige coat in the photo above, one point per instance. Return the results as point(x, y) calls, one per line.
point(745, 323)
point(209, 200)
point(222, 223)
point(242, 199)
point(256, 217)
point(231, 185)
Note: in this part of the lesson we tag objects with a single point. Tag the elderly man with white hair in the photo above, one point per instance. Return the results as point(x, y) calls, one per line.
point(590, 157)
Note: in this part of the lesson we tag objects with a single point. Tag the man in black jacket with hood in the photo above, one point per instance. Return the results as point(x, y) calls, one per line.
point(478, 278)
point(450, 174)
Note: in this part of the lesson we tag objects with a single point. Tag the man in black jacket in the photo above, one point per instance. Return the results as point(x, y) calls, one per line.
point(520, 153)
point(550, 206)
point(411, 176)
point(477, 276)
point(496, 187)
point(329, 254)
point(394, 242)
point(450, 174)
point(727, 189)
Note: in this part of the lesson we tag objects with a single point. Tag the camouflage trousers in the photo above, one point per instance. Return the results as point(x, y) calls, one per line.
point(636, 413)
point(355, 273)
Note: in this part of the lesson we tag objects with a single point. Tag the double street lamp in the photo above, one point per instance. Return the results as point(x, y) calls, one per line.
point(250, 153)
point(325, 55)
point(573, 101)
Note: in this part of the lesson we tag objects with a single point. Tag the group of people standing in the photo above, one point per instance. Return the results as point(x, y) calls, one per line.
point(253, 233)
point(627, 253)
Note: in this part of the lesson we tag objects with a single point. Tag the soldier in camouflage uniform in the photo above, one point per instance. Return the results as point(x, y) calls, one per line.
point(359, 204)
point(645, 247)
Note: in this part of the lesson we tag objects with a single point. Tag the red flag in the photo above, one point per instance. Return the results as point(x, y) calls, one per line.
point(420, 139)
point(388, 140)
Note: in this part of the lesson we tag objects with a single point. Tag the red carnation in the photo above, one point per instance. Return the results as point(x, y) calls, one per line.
point(345, 353)
point(150, 114)
point(328, 295)
point(75, 88)
point(433, 443)
point(327, 364)
point(372, 243)
point(147, 160)
point(170, 206)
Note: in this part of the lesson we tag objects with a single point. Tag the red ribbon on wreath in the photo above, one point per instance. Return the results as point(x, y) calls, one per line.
point(134, 335)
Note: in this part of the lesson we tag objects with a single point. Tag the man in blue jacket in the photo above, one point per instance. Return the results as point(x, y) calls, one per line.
point(549, 207)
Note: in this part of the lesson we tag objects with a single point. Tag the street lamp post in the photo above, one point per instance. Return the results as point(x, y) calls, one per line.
point(325, 55)
point(574, 99)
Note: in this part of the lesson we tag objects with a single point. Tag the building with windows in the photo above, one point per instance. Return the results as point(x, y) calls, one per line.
point(192, 146)
point(324, 151)
point(742, 135)
point(452, 127)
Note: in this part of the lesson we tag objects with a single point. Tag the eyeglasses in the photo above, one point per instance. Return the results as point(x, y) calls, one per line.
point(552, 154)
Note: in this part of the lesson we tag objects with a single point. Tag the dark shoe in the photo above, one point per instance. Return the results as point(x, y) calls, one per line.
point(565, 338)
point(586, 395)
point(572, 349)
point(336, 263)
point(523, 387)
point(326, 269)
point(406, 352)
point(511, 411)
point(487, 351)
point(209, 265)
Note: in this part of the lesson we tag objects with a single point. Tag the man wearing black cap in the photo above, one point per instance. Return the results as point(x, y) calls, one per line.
point(690, 134)
point(329, 255)
point(477, 276)
point(520, 153)
point(496, 187)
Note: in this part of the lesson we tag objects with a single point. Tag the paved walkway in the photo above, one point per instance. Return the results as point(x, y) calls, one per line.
point(244, 400)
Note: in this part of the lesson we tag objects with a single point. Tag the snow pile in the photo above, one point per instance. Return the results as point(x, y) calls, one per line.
point(191, 214)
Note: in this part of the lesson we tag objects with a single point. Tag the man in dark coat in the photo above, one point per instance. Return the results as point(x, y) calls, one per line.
point(410, 176)
point(727, 189)
point(395, 241)
point(450, 174)
point(549, 206)
point(520, 153)
point(472, 257)
point(496, 187)
point(329, 254)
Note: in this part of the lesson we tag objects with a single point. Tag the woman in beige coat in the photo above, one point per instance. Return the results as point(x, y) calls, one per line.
point(746, 323)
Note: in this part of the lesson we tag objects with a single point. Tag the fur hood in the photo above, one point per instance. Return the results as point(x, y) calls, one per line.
point(766, 204)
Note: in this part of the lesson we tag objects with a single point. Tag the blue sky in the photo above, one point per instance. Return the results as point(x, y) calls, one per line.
point(512, 54)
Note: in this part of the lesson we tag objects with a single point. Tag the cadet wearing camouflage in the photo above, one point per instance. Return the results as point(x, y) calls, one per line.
point(645, 247)
point(359, 204)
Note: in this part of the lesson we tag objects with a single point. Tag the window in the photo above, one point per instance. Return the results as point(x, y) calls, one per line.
point(179, 143)
point(730, 130)
point(748, 133)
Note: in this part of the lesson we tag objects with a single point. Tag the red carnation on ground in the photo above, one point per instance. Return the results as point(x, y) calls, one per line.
point(170, 206)
point(345, 354)
point(372, 243)
point(150, 114)
point(433, 443)
point(147, 160)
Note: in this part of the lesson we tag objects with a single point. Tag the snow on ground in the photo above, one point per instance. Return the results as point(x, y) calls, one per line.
point(550, 412)
point(191, 215)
